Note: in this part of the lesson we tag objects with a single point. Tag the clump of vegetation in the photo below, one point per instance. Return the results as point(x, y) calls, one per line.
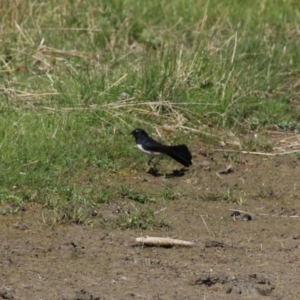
point(191, 68)
point(141, 197)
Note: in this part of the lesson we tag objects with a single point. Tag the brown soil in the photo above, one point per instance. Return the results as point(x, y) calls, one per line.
point(232, 259)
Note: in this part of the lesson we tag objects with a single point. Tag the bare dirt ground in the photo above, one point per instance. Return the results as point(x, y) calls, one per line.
point(232, 259)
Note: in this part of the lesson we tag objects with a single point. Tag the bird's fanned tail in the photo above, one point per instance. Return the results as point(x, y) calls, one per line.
point(181, 154)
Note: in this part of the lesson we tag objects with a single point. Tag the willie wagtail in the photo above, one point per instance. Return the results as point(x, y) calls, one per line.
point(153, 148)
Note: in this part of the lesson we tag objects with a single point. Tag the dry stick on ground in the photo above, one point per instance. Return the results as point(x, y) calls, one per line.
point(162, 241)
point(274, 215)
point(256, 153)
point(205, 224)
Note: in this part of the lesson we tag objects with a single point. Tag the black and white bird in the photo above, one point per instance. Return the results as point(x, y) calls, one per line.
point(146, 144)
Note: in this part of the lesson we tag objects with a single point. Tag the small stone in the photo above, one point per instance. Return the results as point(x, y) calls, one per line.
point(235, 214)
point(247, 217)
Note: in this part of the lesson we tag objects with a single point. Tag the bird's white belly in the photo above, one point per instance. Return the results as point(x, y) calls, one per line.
point(151, 153)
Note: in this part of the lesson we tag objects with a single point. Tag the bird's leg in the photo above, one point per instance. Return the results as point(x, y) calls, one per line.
point(157, 162)
point(153, 165)
point(152, 169)
point(149, 161)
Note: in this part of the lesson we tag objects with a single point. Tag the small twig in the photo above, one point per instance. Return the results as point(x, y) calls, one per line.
point(219, 175)
point(73, 53)
point(158, 211)
point(256, 153)
point(114, 84)
point(281, 212)
point(162, 241)
point(279, 215)
point(274, 215)
point(30, 163)
point(288, 138)
point(205, 224)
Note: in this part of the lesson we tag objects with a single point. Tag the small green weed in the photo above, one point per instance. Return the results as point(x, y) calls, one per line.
point(289, 125)
point(255, 144)
point(229, 195)
point(209, 197)
point(172, 194)
point(232, 196)
point(11, 203)
point(140, 197)
point(105, 164)
point(69, 207)
point(297, 155)
point(253, 123)
point(143, 219)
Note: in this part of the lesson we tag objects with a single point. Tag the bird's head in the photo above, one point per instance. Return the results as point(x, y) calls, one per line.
point(139, 133)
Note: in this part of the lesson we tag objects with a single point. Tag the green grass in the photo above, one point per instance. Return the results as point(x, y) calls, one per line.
point(202, 65)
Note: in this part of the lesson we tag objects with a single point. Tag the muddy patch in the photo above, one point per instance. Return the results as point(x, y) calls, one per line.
point(244, 224)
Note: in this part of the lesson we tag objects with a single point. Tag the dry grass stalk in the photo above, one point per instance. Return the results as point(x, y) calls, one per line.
point(257, 153)
point(205, 224)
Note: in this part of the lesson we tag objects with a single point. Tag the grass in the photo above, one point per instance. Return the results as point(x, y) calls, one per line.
point(186, 68)
point(143, 218)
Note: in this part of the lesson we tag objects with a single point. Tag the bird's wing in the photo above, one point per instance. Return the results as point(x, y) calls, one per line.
point(154, 146)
